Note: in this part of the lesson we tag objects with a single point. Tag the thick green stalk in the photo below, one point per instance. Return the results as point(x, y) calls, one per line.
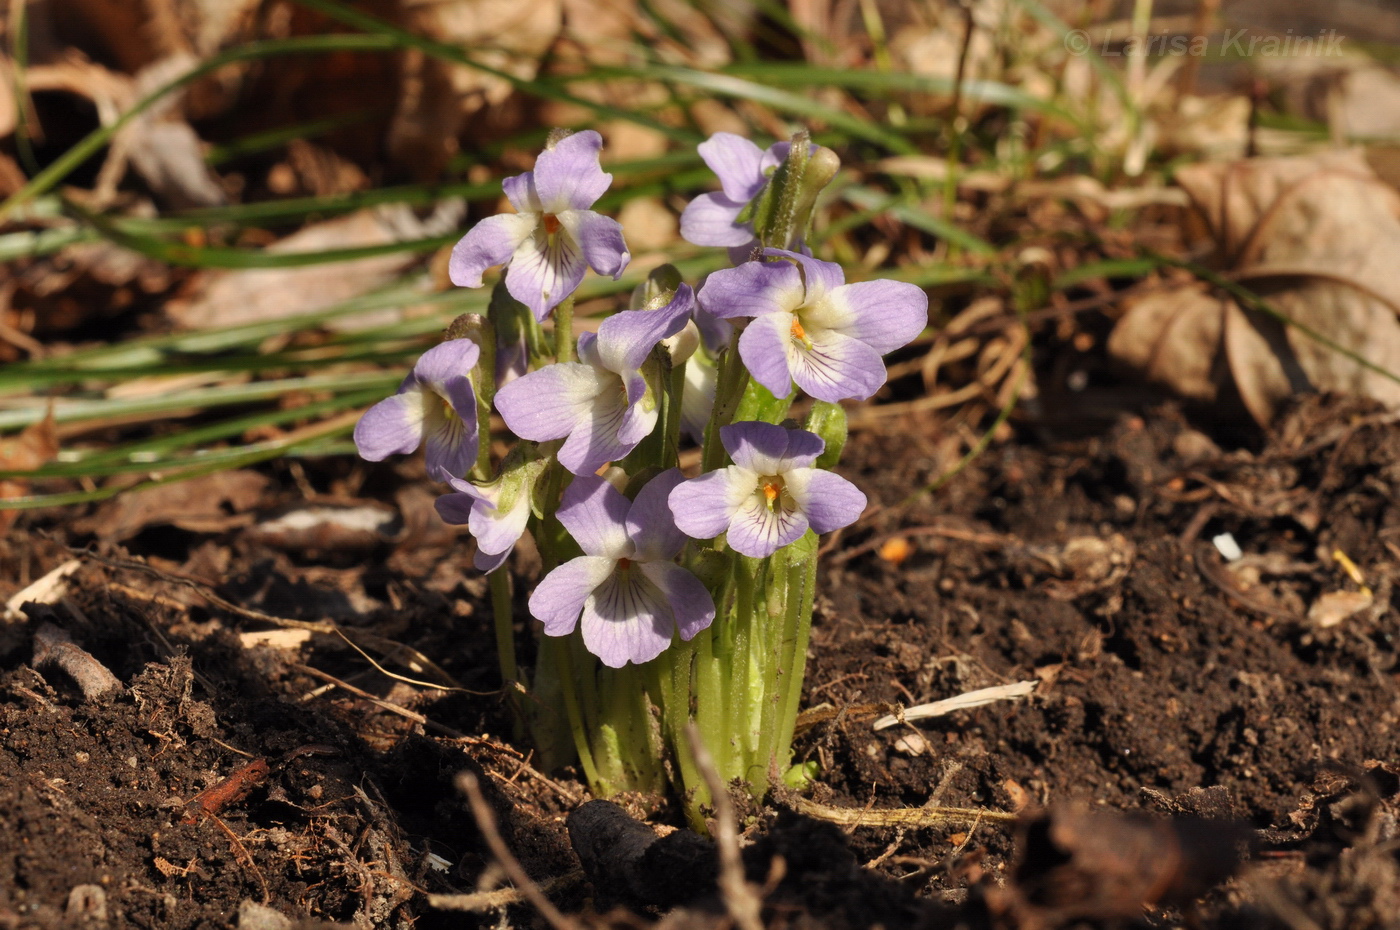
point(797, 633)
point(674, 400)
point(564, 330)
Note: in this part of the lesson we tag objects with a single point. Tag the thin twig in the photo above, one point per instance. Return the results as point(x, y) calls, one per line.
point(902, 816)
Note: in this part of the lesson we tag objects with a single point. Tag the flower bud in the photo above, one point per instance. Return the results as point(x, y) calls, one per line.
point(615, 476)
point(657, 290)
point(683, 344)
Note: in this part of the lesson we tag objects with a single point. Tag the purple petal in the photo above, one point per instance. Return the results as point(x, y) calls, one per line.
point(626, 339)
point(544, 270)
point(548, 403)
point(559, 598)
point(737, 162)
point(521, 191)
point(836, 367)
point(626, 620)
point(752, 289)
point(703, 507)
point(638, 420)
point(597, 440)
point(600, 239)
point(759, 530)
point(394, 426)
point(491, 242)
point(713, 219)
point(455, 508)
point(690, 602)
point(882, 314)
point(764, 346)
point(714, 332)
point(488, 562)
point(496, 531)
point(829, 501)
point(819, 277)
point(568, 176)
point(774, 155)
point(768, 449)
point(595, 514)
point(650, 523)
point(450, 445)
point(445, 363)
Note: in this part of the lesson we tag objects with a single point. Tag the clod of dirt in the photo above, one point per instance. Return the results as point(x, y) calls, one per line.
point(627, 863)
point(1076, 864)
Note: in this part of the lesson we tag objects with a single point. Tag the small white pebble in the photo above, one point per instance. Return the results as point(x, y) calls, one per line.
point(1225, 544)
point(911, 745)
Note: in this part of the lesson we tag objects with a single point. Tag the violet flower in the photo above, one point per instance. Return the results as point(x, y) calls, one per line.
point(743, 169)
point(625, 590)
point(812, 328)
point(547, 243)
point(602, 403)
point(495, 513)
point(436, 403)
point(770, 496)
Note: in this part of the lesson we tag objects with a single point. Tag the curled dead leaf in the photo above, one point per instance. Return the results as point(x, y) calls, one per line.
point(1318, 238)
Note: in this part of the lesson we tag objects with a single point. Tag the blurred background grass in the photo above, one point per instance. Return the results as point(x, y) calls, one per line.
point(225, 224)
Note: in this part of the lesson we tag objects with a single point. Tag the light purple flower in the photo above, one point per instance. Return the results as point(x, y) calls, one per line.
point(630, 595)
point(495, 513)
point(743, 169)
point(553, 235)
point(602, 403)
point(435, 403)
point(812, 328)
point(770, 495)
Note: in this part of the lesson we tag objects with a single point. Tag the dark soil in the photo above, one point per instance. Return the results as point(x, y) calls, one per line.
point(243, 772)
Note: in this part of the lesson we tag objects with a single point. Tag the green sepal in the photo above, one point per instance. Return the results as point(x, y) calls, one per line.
point(801, 549)
point(711, 567)
point(758, 403)
point(828, 421)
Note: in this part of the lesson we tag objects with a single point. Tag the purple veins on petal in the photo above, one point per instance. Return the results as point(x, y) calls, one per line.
point(770, 496)
point(554, 237)
point(600, 405)
point(810, 328)
point(626, 593)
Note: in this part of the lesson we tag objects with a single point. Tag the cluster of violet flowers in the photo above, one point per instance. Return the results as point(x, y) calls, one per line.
point(667, 599)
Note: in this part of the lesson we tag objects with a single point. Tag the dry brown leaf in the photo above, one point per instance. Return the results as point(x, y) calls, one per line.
point(1319, 238)
point(437, 97)
point(208, 504)
point(34, 446)
point(248, 296)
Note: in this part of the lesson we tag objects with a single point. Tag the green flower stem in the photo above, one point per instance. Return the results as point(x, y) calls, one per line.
point(504, 615)
point(675, 397)
point(564, 330)
point(485, 395)
point(729, 391)
point(569, 686)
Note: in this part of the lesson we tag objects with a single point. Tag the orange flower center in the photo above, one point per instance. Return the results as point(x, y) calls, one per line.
point(797, 331)
point(551, 224)
point(771, 491)
point(624, 564)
